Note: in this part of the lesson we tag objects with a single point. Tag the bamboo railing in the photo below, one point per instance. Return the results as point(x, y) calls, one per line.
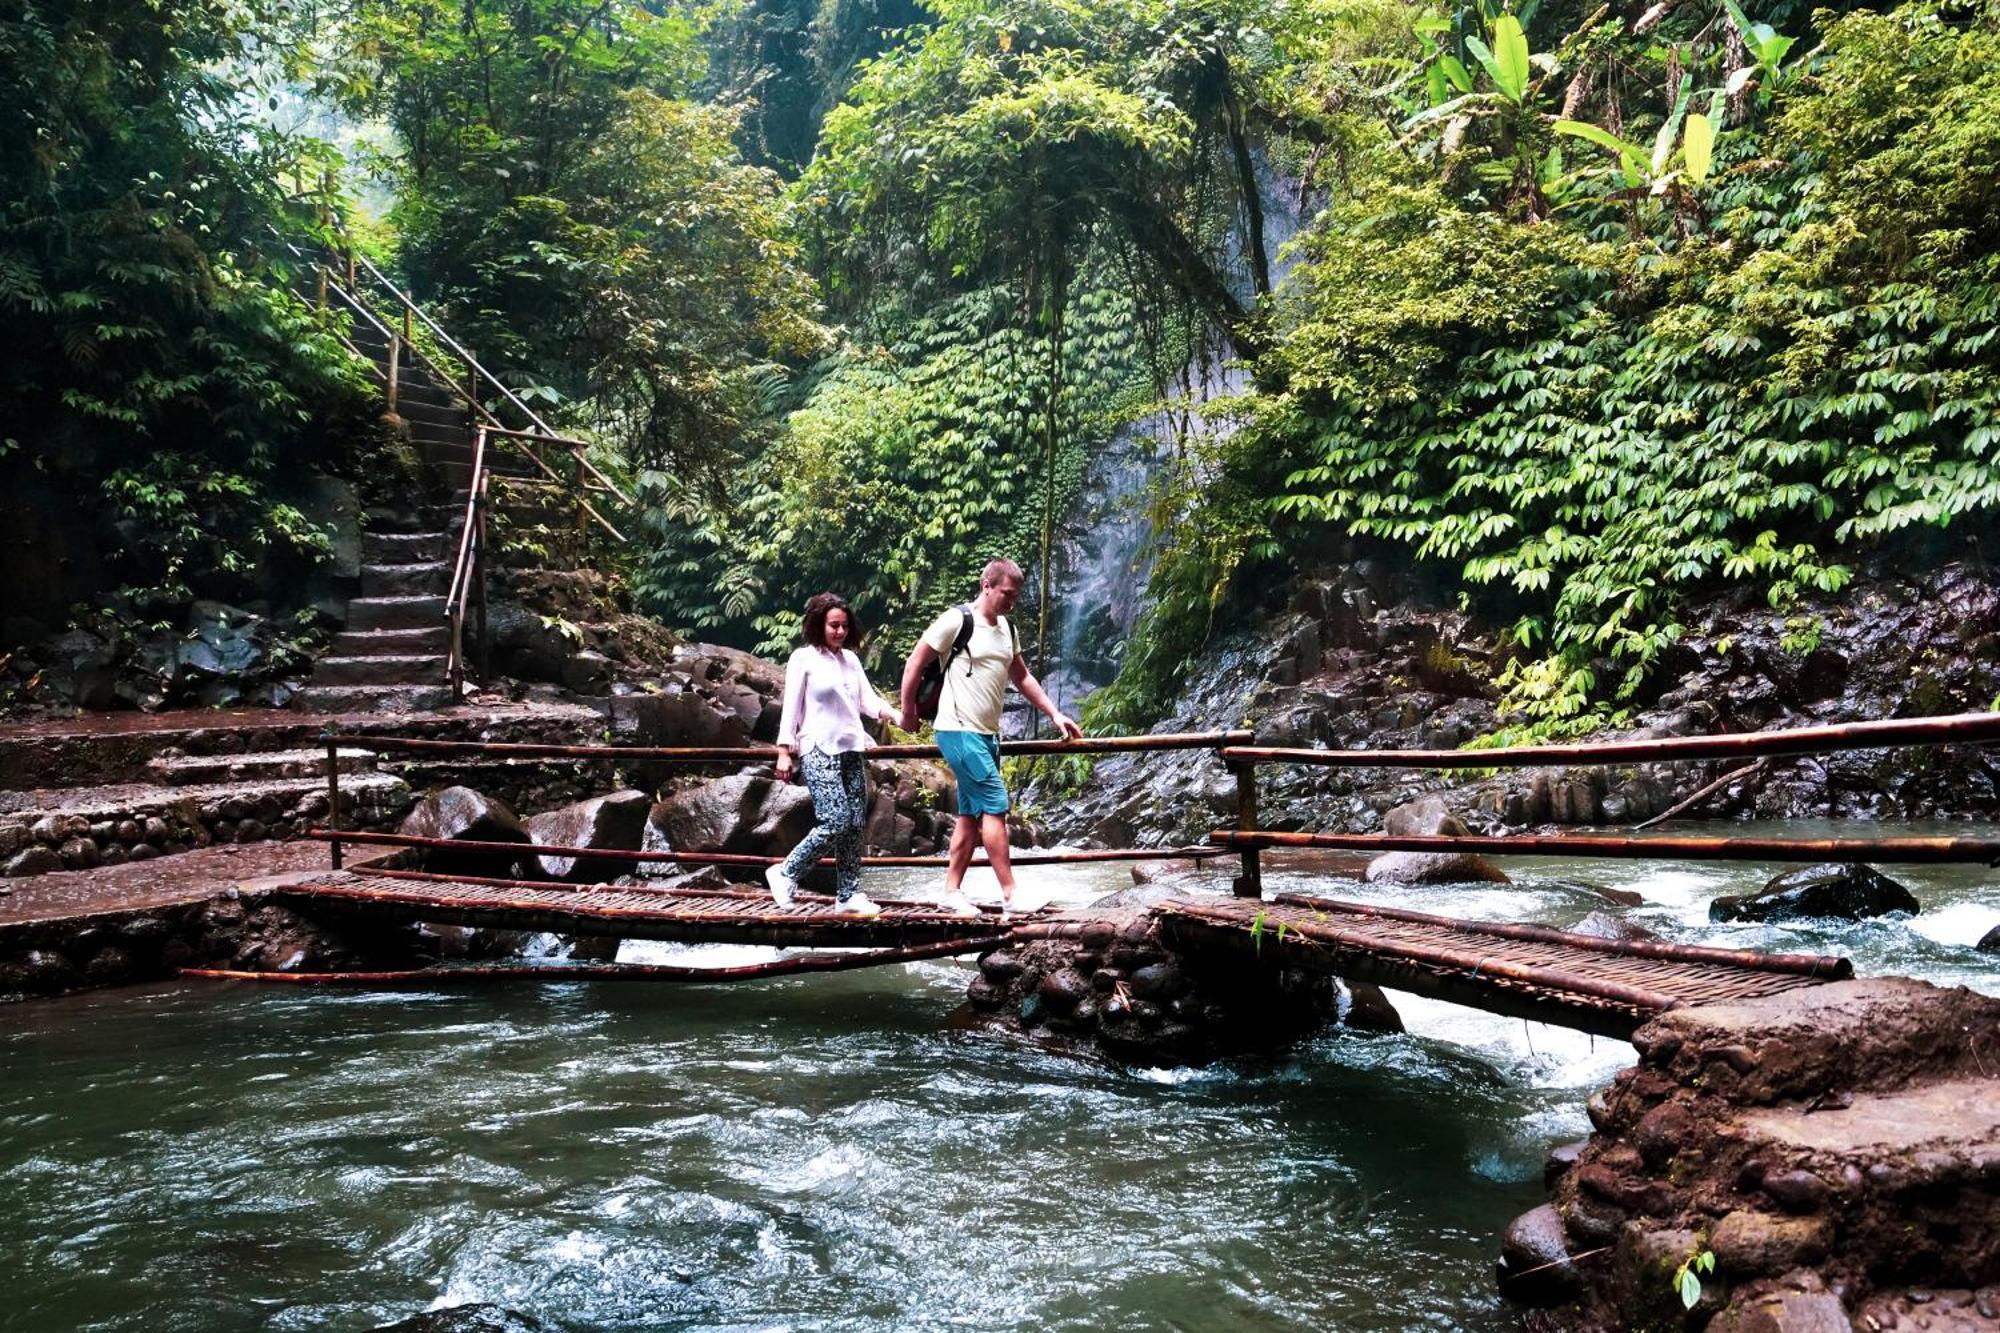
point(1247, 840)
point(1961, 728)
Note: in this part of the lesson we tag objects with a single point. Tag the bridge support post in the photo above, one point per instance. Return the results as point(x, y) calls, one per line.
point(333, 790)
point(1249, 884)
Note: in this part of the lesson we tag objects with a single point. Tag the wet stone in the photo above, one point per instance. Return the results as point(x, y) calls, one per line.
point(1751, 1243)
point(35, 860)
point(1063, 988)
point(79, 854)
point(1535, 1267)
point(1848, 891)
point(1796, 1191)
point(1000, 966)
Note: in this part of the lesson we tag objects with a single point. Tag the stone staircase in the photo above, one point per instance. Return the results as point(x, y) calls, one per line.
point(392, 656)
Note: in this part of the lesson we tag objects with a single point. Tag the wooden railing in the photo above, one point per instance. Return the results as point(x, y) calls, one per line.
point(1247, 840)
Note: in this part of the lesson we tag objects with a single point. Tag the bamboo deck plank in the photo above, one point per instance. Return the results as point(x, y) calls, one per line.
point(1598, 985)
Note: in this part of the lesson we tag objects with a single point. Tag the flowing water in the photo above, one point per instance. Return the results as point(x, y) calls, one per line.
point(824, 1153)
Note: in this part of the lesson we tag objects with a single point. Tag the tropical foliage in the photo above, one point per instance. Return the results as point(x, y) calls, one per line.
point(162, 374)
point(1593, 312)
point(586, 225)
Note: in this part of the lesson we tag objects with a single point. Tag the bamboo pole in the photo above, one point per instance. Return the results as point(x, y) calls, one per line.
point(754, 754)
point(1907, 851)
point(748, 860)
point(1958, 728)
point(331, 737)
point(1811, 965)
point(780, 967)
point(800, 897)
point(1687, 803)
point(1249, 884)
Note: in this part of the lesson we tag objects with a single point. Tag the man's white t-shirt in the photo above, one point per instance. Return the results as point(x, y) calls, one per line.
point(975, 682)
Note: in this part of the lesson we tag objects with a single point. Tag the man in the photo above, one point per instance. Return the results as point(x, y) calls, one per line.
point(968, 720)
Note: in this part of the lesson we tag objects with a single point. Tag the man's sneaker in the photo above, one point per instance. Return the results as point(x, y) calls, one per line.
point(959, 905)
point(781, 884)
point(860, 904)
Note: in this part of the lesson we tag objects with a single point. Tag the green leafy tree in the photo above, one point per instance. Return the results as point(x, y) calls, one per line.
point(162, 374)
point(582, 221)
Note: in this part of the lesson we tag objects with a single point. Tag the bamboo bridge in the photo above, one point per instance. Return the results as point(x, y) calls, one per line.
point(1598, 985)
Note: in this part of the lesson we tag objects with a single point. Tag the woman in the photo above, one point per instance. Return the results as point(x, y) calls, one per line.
point(826, 696)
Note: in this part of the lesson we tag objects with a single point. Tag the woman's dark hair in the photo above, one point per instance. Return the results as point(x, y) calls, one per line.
point(818, 608)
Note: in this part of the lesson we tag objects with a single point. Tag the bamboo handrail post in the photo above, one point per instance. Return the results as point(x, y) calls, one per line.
point(1249, 884)
point(395, 357)
point(479, 582)
point(331, 737)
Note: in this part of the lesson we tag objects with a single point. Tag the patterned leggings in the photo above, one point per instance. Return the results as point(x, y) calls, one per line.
point(840, 804)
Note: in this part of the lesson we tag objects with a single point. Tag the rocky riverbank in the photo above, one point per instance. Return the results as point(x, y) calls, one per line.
point(1367, 658)
point(1824, 1159)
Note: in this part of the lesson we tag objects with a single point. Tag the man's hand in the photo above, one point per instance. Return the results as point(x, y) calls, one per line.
point(908, 721)
point(1069, 729)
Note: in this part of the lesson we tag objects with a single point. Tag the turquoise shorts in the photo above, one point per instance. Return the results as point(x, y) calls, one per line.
point(975, 761)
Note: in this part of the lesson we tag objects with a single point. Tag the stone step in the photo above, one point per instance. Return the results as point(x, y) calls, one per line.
point(380, 669)
point(268, 766)
point(365, 613)
point(415, 409)
point(419, 390)
point(460, 456)
point(430, 578)
point(428, 642)
point(402, 548)
point(80, 827)
point(372, 698)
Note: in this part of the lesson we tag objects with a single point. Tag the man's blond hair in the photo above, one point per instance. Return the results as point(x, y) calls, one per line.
point(999, 569)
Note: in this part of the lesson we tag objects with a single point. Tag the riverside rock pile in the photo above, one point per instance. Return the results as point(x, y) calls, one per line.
point(1113, 983)
point(1836, 1150)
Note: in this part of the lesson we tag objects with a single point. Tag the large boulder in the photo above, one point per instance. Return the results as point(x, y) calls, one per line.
point(1429, 816)
point(462, 813)
point(222, 642)
point(1606, 926)
point(602, 823)
point(78, 666)
point(1850, 891)
point(1434, 868)
point(1989, 942)
point(680, 716)
point(748, 813)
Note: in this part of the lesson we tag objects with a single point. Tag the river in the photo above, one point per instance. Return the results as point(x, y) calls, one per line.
point(820, 1153)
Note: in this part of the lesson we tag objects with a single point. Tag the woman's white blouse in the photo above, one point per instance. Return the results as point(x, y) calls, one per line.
point(826, 696)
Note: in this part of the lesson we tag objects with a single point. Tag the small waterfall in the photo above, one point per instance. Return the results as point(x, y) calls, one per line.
point(1105, 556)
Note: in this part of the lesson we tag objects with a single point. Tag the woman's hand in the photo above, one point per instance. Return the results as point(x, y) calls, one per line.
point(783, 768)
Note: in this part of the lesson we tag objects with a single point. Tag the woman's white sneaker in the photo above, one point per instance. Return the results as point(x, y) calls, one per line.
point(781, 884)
